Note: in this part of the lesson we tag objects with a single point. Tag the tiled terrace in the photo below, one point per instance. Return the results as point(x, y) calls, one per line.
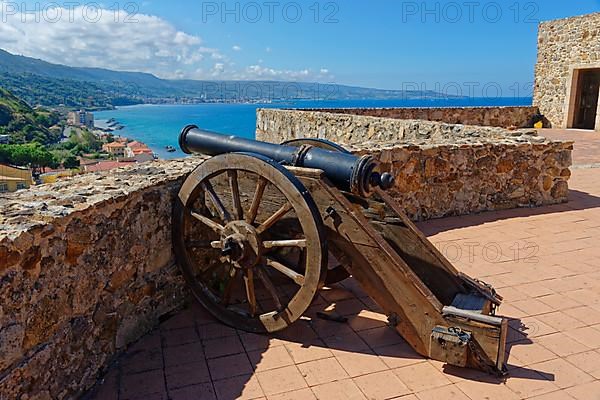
point(587, 148)
point(545, 262)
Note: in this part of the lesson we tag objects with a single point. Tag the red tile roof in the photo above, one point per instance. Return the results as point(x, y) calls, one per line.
point(114, 144)
point(136, 145)
point(142, 151)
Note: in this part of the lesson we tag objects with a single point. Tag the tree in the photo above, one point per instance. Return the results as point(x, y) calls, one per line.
point(5, 115)
point(71, 162)
point(33, 155)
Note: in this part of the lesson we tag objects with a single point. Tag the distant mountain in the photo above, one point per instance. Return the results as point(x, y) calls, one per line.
point(24, 124)
point(44, 83)
point(15, 64)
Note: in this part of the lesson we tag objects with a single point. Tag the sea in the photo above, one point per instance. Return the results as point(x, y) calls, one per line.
point(159, 125)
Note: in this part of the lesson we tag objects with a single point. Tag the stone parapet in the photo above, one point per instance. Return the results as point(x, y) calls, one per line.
point(503, 117)
point(434, 181)
point(278, 125)
point(86, 268)
point(441, 169)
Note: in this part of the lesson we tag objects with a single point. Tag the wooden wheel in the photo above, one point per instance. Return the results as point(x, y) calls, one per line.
point(337, 271)
point(239, 221)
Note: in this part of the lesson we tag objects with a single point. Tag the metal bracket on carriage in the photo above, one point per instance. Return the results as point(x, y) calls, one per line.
point(460, 348)
point(482, 288)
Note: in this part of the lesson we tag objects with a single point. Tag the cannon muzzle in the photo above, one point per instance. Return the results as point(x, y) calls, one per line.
point(348, 172)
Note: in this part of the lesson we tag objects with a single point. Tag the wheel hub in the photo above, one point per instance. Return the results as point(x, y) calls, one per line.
point(241, 244)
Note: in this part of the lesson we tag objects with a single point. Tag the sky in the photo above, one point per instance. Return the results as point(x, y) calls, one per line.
point(474, 48)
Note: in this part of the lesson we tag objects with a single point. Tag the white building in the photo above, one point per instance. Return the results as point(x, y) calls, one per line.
point(81, 118)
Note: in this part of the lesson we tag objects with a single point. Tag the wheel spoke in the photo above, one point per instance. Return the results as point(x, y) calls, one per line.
point(269, 244)
point(272, 220)
point(235, 194)
point(214, 198)
point(264, 277)
point(250, 294)
point(229, 287)
point(290, 273)
point(208, 222)
point(260, 190)
point(223, 203)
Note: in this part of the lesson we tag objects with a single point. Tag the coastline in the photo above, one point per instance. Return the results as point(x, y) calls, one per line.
point(158, 125)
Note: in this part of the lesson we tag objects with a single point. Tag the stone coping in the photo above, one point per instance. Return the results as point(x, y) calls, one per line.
point(503, 116)
point(276, 125)
point(518, 140)
point(408, 108)
point(41, 205)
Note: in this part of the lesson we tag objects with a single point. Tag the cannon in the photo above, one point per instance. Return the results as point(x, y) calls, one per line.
point(348, 172)
point(259, 228)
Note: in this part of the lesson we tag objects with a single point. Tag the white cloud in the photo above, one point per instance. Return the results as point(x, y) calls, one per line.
point(101, 38)
point(261, 72)
point(80, 37)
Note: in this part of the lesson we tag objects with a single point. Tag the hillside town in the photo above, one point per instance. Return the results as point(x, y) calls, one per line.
point(114, 152)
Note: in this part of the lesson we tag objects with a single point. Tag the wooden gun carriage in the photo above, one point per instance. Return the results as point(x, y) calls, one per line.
point(259, 228)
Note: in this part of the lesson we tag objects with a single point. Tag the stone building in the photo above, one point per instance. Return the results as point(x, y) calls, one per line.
point(567, 82)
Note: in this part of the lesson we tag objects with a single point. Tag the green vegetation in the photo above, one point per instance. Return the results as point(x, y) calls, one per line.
point(71, 162)
point(24, 124)
point(33, 155)
point(68, 93)
point(81, 141)
point(37, 156)
point(34, 136)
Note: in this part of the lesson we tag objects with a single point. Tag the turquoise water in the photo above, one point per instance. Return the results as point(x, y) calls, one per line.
point(159, 125)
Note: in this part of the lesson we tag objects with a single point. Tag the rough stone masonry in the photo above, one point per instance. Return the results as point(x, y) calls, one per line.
point(564, 46)
point(502, 117)
point(441, 169)
point(86, 268)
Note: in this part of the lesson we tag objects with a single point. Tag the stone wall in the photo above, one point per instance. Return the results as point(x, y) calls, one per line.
point(441, 169)
point(85, 269)
point(434, 181)
point(504, 117)
point(563, 46)
point(278, 125)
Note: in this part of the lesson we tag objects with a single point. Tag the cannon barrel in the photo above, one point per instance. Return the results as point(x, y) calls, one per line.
point(346, 171)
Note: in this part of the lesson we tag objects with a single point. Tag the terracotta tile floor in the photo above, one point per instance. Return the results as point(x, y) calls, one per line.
point(546, 263)
point(587, 143)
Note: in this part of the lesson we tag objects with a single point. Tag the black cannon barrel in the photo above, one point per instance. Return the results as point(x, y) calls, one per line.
point(347, 171)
